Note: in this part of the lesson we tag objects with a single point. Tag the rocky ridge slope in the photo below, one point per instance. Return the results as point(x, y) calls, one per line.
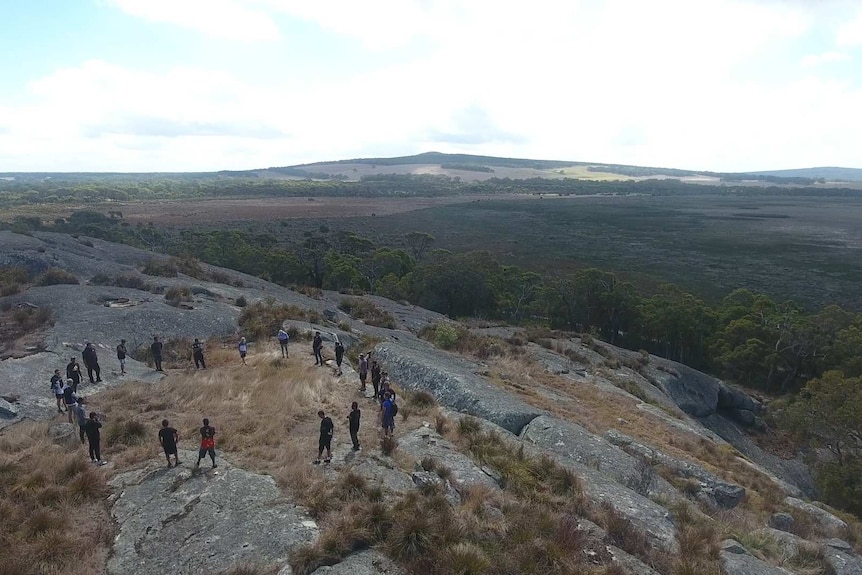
point(677, 402)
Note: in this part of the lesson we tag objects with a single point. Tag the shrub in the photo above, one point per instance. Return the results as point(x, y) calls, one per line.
point(175, 295)
point(421, 400)
point(388, 445)
point(367, 312)
point(442, 335)
point(161, 268)
point(56, 276)
point(129, 432)
point(241, 301)
point(264, 318)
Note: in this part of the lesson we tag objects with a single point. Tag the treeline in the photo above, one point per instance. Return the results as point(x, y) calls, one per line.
point(93, 189)
point(746, 337)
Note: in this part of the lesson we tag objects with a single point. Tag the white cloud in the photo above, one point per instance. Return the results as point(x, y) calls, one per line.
point(813, 60)
point(654, 83)
point(850, 33)
point(226, 19)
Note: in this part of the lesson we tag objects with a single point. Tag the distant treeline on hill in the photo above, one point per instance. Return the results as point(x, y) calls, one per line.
point(746, 337)
point(78, 189)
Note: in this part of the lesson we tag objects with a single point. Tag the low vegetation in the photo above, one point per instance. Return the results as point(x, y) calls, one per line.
point(13, 280)
point(367, 312)
point(263, 319)
point(177, 295)
point(455, 337)
point(53, 506)
point(56, 276)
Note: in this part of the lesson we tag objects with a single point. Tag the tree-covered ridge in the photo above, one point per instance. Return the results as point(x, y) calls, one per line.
point(28, 189)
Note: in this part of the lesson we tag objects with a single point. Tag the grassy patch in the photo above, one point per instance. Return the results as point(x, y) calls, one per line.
point(56, 276)
point(177, 295)
point(455, 337)
point(367, 312)
point(264, 318)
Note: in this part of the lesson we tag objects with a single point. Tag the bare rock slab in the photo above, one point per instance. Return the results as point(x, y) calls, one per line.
point(416, 365)
point(841, 557)
point(425, 442)
point(368, 562)
point(736, 560)
point(183, 522)
point(826, 519)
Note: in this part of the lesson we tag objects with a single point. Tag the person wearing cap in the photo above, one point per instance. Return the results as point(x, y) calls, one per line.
point(283, 339)
point(91, 362)
point(121, 355)
point(388, 414)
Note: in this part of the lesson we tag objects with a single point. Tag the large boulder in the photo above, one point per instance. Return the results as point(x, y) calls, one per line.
point(416, 365)
point(720, 492)
point(841, 557)
point(736, 560)
point(425, 442)
point(828, 521)
point(368, 562)
point(182, 522)
point(693, 391)
point(576, 443)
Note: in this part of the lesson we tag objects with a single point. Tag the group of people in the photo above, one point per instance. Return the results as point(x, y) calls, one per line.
point(68, 401)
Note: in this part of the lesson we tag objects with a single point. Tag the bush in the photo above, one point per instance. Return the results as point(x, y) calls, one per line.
point(129, 432)
point(56, 276)
point(241, 301)
point(421, 400)
point(160, 268)
point(264, 318)
point(388, 445)
point(175, 295)
point(367, 312)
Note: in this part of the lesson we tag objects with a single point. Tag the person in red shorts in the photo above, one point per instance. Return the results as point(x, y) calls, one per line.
point(207, 443)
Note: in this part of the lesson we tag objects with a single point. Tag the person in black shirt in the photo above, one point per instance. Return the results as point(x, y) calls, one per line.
point(198, 354)
point(316, 347)
point(326, 430)
point(121, 355)
point(156, 352)
point(168, 439)
point(70, 399)
point(91, 429)
point(353, 420)
point(73, 372)
point(375, 377)
point(91, 362)
point(207, 443)
point(339, 355)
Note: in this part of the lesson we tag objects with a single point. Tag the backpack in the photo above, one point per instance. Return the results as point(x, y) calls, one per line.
point(394, 409)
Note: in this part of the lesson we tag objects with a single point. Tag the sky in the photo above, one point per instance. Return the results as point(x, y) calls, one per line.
point(198, 85)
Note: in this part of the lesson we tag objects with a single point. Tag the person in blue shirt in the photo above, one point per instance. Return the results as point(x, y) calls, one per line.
point(389, 410)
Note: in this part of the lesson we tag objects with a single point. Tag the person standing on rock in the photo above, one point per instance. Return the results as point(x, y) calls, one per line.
point(198, 354)
point(375, 377)
point(91, 362)
point(363, 371)
point(283, 339)
point(242, 346)
point(91, 429)
point(327, 428)
point(353, 422)
point(316, 347)
point(57, 389)
point(70, 399)
point(73, 372)
point(168, 439)
point(156, 351)
point(207, 443)
point(121, 356)
point(339, 355)
point(81, 418)
point(388, 411)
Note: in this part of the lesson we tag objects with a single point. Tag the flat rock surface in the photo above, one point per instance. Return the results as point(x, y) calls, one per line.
point(416, 365)
point(826, 519)
point(184, 523)
point(572, 441)
point(735, 560)
point(368, 562)
point(425, 442)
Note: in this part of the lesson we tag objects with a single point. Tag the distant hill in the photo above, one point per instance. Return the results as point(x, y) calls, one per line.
point(832, 174)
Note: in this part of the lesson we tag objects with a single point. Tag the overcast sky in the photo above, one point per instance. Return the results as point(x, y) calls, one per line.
point(182, 85)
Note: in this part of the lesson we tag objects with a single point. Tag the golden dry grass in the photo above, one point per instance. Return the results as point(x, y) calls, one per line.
point(53, 512)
